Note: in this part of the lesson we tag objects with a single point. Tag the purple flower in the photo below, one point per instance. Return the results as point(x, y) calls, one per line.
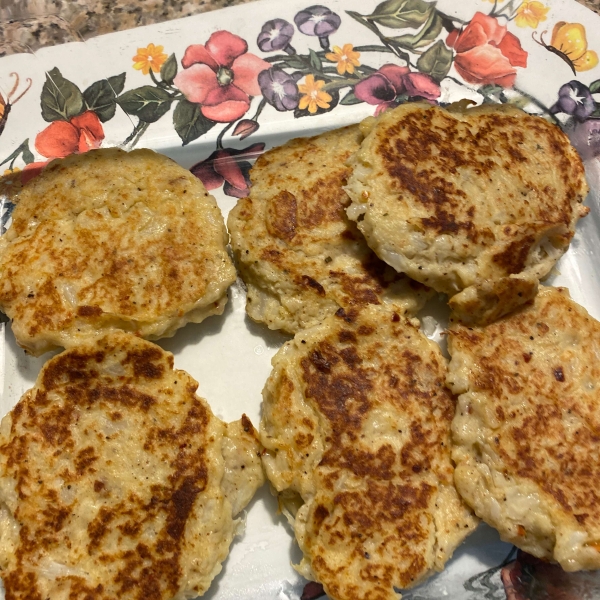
point(276, 35)
point(382, 87)
point(585, 137)
point(320, 21)
point(226, 167)
point(575, 99)
point(279, 89)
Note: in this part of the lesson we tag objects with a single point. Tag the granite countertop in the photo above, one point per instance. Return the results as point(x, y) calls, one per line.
point(26, 25)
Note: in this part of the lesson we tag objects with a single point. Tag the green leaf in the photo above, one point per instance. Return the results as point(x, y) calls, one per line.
point(27, 155)
point(595, 86)
point(294, 62)
point(23, 149)
point(371, 48)
point(350, 98)
point(436, 61)
point(400, 14)
point(315, 61)
point(60, 99)
point(147, 103)
point(101, 96)
point(423, 37)
point(189, 121)
point(117, 83)
point(169, 69)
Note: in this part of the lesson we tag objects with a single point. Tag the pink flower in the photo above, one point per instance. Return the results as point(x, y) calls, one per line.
point(245, 127)
point(221, 76)
point(382, 87)
point(486, 52)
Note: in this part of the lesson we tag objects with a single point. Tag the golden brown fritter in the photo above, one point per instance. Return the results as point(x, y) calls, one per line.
point(477, 203)
point(527, 427)
point(300, 256)
point(112, 240)
point(117, 481)
point(356, 430)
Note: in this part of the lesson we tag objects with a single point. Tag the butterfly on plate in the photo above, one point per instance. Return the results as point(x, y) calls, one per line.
point(569, 42)
point(7, 103)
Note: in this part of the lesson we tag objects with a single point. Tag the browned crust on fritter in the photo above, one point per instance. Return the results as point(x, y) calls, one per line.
point(425, 133)
point(145, 246)
point(369, 526)
point(462, 200)
point(43, 454)
point(537, 371)
point(295, 221)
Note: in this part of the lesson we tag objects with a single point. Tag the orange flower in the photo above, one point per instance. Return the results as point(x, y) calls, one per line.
point(529, 14)
point(346, 58)
point(151, 57)
point(314, 95)
point(78, 135)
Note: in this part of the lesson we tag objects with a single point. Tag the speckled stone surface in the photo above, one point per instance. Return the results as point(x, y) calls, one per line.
point(26, 25)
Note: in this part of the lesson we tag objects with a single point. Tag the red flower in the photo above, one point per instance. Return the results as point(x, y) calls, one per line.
point(221, 76)
point(228, 168)
point(486, 52)
point(61, 138)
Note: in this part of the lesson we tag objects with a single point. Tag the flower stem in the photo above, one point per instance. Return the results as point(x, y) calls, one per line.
point(401, 55)
point(138, 131)
point(276, 58)
point(339, 83)
point(262, 104)
point(372, 48)
point(507, 11)
point(364, 20)
point(160, 84)
point(222, 134)
point(446, 17)
point(324, 41)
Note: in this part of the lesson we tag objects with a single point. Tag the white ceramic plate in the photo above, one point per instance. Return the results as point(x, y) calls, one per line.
point(83, 95)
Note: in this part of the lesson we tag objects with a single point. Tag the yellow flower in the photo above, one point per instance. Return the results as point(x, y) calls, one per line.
point(151, 57)
point(529, 14)
point(346, 58)
point(314, 95)
point(11, 171)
